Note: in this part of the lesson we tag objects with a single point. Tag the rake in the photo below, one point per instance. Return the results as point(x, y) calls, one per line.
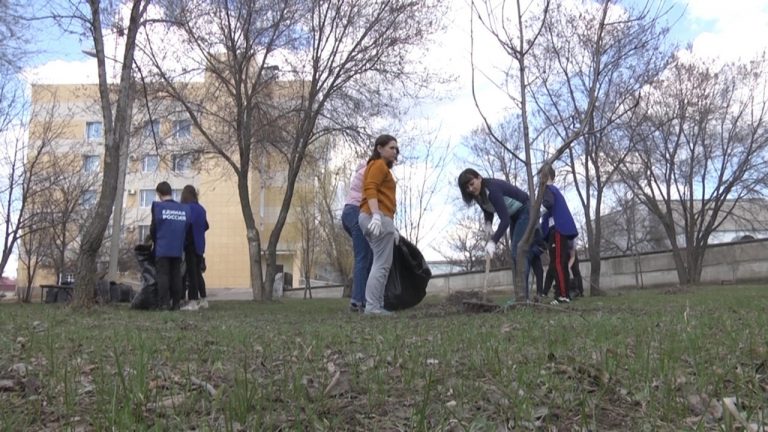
point(482, 305)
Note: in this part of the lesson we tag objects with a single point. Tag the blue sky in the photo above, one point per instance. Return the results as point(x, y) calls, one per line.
point(714, 28)
point(697, 17)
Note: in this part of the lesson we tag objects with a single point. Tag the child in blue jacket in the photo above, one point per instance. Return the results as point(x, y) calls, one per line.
point(565, 231)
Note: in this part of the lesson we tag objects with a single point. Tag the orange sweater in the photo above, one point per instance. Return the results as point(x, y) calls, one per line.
point(379, 184)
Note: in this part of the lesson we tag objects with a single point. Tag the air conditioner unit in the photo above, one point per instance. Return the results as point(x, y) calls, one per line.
point(131, 191)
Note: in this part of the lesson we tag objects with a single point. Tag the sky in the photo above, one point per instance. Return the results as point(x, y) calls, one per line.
point(714, 29)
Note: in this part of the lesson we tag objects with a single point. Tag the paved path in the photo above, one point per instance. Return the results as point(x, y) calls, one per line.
point(230, 294)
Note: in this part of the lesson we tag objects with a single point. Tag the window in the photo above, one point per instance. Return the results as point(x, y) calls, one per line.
point(182, 162)
point(91, 163)
point(93, 130)
point(146, 196)
point(88, 198)
point(150, 163)
point(182, 129)
point(143, 232)
point(152, 129)
point(177, 194)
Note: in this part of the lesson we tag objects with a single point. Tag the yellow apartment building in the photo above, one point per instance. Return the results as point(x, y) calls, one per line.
point(167, 147)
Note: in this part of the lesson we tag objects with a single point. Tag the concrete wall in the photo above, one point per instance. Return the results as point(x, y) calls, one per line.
point(729, 262)
point(723, 263)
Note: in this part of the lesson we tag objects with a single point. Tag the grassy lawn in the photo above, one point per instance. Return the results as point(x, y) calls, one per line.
point(645, 360)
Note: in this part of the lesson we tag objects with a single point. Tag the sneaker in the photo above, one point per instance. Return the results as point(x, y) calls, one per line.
point(191, 306)
point(354, 307)
point(381, 312)
point(202, 304)
point(561, 300)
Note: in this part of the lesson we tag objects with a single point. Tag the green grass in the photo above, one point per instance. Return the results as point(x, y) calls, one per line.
point(643, 360)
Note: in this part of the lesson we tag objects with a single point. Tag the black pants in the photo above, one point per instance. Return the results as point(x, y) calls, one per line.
point(559, 255)
point(168, 282)
point(193, 277)
point(538, 272)
point(577, 283)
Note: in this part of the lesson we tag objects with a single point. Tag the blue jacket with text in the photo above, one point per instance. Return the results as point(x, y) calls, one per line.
point(557, 209)
point(170, 224)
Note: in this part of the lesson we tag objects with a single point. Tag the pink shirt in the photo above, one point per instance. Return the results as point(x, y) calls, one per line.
point(355, 194)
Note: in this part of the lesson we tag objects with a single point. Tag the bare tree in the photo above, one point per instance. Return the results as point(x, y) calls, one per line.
point(14, 39)
point(33, 254)
point(116, 102)
point(519, 36)
point(307, 217)
point(466, 243)
point(493, 159)
point(701, 149)
point(68, 203)
point(329, 181)
point(334, 58)
point(417, 186)
point(26, 162)
point(629, 54)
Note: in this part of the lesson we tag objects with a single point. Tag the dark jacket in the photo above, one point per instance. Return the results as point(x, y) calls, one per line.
point(501, 198)
point(169, 227)
point(557, 209)
point(199, 221)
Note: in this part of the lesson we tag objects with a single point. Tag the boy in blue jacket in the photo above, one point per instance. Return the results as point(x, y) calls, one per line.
point(565, 231)
point(169, 227)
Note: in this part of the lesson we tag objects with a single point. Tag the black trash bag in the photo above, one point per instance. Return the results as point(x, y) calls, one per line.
point(146, 298)
point(63, 296)
point(114, 292)
point(103, 292)
point(53, 295)
point(126, 293)
point(408, 277)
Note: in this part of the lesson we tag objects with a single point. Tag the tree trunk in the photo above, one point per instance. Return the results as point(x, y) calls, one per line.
point(116, 136)
point(695, 258)
point(274, 237)
point(253, 237)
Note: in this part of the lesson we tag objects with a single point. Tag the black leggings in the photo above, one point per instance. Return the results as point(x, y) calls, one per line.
point(193, 277)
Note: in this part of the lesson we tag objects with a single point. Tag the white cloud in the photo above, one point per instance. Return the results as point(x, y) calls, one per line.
point(737, 30)
point(63, 72)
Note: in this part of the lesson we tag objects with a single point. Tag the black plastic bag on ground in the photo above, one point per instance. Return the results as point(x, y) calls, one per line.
point(147, 297)
point(408, 277)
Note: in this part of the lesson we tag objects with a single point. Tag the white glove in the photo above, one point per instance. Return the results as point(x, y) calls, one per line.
point(489, 228)
point(375, 226)
point(490, 248)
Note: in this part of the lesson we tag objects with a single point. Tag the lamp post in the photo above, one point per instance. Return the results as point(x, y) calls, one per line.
point(117, 211)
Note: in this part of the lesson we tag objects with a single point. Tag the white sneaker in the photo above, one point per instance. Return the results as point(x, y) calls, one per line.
point(378, 311)
point(202, 304)
point(191, 306)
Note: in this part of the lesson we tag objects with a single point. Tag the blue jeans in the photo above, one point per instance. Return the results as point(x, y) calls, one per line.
point(361, 250)
point(517, 226)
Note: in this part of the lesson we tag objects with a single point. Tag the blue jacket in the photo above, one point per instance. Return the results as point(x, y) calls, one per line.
point(557, 209)
point(170, 224)
point(501, 198)
point(199, 222)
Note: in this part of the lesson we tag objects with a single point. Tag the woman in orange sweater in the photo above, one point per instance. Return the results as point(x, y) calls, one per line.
point(377, 211)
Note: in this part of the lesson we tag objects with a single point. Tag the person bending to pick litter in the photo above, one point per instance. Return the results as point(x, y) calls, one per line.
point(510, 204)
